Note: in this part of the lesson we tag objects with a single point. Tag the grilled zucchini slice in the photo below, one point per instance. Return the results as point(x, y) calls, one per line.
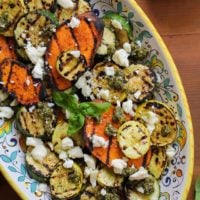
point(158, 161)
point(41, 171)
point(141, 82)
point(91, 193)
point(107, 178)
point(35, 28)
point(39, 122)
point(10, 12)
point(115, 85)
point(66, 183)
point(165, 128)
point(134, 195)
point(32, 5)
point(134, 139)
point(69, 66)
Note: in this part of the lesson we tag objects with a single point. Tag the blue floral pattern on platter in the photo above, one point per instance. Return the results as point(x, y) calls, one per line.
point(173, 179)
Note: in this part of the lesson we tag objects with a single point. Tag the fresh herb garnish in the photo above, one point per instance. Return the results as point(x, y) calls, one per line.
point(78, 111)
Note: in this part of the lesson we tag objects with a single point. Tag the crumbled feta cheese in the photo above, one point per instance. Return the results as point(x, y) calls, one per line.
point(76, 96)
point(140, 189)
point(35, 53)
point(14, 103)
point(170, 152)
point(32, 141)
point(75, 53)
point(51, 105)
point(74, 22)
point(137, 94)
point(63, 155)
point(120, 57)
point(110, 71)
point(31, 109)
point(142, 173)
point(138, 42)
point(38, 70)
point(67, 4)
point(68, 163)
point(103, 94)
point(118, 104)
point(67, 143)
point(75, 152)
point(127, 47)
point(98, 141)
point(93, 177)
point(42, 187)
point(50, 146)
point(118, 165)
point(87, 172)
point(128, 107)
point(86, 90)
point(81, 82)
point(6, 112)
point(116, 24)
point(102, 49)
point(3, 95)
point(150, 118)
point(103, 192)
point(67, 114)
point(39, 152)
point(90, 161)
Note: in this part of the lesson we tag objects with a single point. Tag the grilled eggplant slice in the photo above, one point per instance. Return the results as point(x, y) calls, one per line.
point(35, 28)
point(114, 84)
point(141, 82)
point(32, 5)
point(66, 183)
point(39, 122)
point(70, 66)
point(107, 178)
point(135, 195)
point(158, 161)
point(165, 130)
point(134, 139)
point(41, 171)
point(10, 12)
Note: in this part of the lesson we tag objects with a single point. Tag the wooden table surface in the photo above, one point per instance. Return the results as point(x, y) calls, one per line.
point(178, 22)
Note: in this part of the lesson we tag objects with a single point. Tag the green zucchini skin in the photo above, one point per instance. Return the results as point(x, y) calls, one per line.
point(41, 171)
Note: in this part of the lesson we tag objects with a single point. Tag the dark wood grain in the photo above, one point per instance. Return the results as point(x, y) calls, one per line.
point(178, 22)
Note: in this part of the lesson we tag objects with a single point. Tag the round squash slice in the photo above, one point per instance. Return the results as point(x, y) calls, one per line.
point(134, 139)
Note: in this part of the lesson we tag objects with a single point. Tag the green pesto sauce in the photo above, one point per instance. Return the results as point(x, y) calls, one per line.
point(118, 81)
point(118, 115)
point(110, 130)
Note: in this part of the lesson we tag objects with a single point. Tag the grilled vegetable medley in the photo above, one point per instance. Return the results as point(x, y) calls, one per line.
point(83, 101)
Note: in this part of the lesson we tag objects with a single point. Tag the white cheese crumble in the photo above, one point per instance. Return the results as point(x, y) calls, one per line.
point(120, 57)
point(116, 24)
point(98, 141)
point(142, 173)
point(75, 152)
point(67, 4)
point(31, 109)
point(75, 53)
point(150, 119)
point(74, 22)
point(14, 103)
point(118, 165)
point(140, 189)
point(32, 141)
point(86, 90)
point(90, 161)
point(127, 47)
point(128, 107)
point(6, 112)
point(87, 172)
point(68, 163)
point(102, 49)
point(110, 71)
point(93, 177)
point(50, 105)
point(42, 187)
point(170, 152)
point(137, 94)
point(103, 192)
point(3, 95)
point(67, 114)
point(67, 143)
point(63, 155)
point(50, 146)
point(38, 70)
point(39, 152)
point(103, 94)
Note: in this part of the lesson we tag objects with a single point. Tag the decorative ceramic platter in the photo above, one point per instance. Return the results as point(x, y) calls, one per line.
point(176, 179)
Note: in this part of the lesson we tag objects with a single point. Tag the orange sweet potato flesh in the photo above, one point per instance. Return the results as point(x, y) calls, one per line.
point(6, 50)
point(18, 82)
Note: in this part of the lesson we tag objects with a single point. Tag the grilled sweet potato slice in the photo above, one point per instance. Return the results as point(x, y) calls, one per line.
point(19, 83)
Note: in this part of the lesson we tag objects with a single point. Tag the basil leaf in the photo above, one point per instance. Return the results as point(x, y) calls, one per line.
point(76, 122)
point(197, 189)
point(93, 109)
point(65, 101)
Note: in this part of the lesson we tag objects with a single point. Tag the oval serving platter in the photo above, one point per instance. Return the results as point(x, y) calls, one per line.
point(176, 179)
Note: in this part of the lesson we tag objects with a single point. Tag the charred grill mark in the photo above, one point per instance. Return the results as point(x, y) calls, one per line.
point(135, 149)
point(10, 74)
point(144, 160)
point(126, 127)
point(108, 152)
point(74, 37)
